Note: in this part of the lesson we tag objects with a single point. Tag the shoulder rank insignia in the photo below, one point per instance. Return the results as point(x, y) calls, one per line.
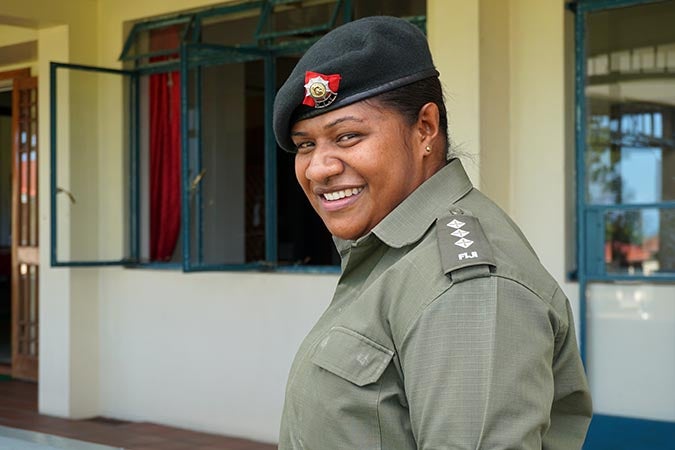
point(462, 243)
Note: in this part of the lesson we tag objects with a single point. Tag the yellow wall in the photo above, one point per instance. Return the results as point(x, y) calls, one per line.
point(10, 35)
point(453, 30)
point(502, 63)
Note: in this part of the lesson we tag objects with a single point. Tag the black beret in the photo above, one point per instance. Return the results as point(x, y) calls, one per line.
point(355, 61)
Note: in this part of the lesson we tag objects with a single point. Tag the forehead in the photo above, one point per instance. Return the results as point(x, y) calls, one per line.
point(364, 112)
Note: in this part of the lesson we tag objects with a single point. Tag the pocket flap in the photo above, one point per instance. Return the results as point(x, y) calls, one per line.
point(352, 356)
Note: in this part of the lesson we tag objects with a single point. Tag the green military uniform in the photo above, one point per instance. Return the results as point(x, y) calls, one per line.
point(445, 332)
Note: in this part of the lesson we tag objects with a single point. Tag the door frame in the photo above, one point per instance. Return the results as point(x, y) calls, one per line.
point(9, 77)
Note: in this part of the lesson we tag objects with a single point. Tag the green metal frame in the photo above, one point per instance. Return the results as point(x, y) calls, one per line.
point(133, 188)
point(192, 56)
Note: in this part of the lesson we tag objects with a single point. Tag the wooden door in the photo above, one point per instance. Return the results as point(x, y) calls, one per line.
point(25, 255)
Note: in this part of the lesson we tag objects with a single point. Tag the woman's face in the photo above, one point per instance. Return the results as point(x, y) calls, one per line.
point(356, 164)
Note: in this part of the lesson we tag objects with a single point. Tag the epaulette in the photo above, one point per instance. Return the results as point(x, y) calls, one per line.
point(465, 251)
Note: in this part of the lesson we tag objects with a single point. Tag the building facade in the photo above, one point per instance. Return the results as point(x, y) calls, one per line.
point(563, 113)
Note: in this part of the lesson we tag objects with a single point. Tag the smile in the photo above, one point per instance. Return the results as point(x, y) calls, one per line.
point(337, 195)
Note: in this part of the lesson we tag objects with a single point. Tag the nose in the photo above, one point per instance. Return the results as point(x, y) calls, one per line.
point(323, 164)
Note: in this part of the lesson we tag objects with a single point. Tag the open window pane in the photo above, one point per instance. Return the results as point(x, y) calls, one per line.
point(91, 190)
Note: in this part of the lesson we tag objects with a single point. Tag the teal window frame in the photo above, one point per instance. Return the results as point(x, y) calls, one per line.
point(132, 257)
point(193, 55)
point(605, 431)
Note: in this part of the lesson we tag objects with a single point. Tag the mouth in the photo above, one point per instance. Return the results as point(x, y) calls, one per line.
point(340, 199)
point(338, 195)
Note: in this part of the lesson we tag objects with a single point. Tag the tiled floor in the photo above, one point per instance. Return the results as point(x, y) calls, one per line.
point(18, 409)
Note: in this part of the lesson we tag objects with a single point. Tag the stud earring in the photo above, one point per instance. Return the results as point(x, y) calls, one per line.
point(428, 148)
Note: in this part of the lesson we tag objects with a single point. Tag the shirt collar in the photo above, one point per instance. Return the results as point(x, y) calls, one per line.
point(408, 222)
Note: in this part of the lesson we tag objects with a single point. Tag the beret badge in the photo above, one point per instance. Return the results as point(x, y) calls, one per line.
point(320, 90)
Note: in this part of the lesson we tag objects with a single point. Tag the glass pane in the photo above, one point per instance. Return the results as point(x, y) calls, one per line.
point(92, 164)
point(161, 40)
point(231, 29)
point(160, 167)
point(640, 241)
point(32, 315)
point(631, 105)
point(405, 8)
point(226, 146)
point(23, 193)
point(32, 199)
point(631, 362)
point(23, 308)
point(32, 173)
point(301, 20)
point(5, 175)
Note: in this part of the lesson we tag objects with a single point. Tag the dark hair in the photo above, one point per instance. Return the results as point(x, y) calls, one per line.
point(409, 99)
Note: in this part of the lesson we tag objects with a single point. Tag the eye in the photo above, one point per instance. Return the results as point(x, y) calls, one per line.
point(348, 138)
point(304, 146)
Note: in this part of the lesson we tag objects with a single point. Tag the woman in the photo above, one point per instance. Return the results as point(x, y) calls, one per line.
point(445, 332)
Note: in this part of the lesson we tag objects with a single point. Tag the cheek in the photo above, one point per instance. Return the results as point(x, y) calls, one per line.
point(300, 169)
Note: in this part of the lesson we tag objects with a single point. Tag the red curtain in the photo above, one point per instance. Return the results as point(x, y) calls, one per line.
point(164, 153)
point(164, 164)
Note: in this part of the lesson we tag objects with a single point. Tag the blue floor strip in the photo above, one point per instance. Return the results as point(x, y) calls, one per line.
point(624, 433)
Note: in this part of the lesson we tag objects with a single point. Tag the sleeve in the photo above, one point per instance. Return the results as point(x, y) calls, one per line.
point(572, 406)
point(479, 371)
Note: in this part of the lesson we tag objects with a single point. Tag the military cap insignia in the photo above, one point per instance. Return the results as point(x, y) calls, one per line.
point(320, 90)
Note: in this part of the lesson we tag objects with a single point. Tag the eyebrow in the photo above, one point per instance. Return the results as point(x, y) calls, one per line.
point(342, 119)
point(331, 124)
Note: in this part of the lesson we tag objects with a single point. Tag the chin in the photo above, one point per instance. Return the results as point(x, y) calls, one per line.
point(346, 233)
point(341, 232)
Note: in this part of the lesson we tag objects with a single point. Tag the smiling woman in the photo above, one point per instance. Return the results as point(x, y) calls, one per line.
point(341, 157)
point(444, 331)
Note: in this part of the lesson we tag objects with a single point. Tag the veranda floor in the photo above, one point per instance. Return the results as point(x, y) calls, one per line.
point(18, 409)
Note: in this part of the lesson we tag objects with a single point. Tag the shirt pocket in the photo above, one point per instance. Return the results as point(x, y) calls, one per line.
point(352, 356)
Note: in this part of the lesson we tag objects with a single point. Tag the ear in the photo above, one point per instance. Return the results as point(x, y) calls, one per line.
point(427, 127)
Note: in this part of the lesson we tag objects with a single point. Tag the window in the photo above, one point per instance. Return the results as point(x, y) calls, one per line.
point(626, 144)
point(199, 180)
point(625, 160)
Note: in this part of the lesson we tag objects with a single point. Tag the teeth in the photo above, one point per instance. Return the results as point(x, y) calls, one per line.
point(337, 195)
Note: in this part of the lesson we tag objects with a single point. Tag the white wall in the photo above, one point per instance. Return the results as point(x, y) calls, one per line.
point(206, 351)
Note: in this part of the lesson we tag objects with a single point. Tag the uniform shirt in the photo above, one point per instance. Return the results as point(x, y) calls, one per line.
point(417, 351)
